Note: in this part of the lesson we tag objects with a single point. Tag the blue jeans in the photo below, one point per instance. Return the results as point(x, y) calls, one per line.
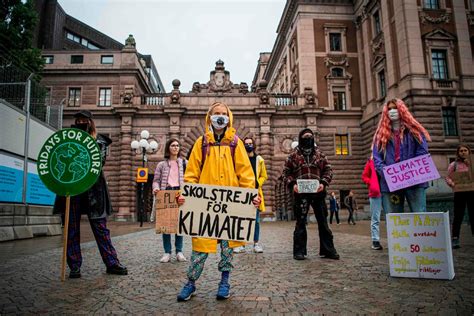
point(178, 240)
point(394, 202)
point(256, 235)
point(375, 210)
point(178, 243)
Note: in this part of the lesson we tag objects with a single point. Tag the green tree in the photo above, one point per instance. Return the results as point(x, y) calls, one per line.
point(18, 20)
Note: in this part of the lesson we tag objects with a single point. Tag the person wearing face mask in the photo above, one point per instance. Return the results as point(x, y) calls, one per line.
point(461, 198)
point(308, 162)
point(260, 172)
point(399, 136)
point(95, 203)
point(216, 161)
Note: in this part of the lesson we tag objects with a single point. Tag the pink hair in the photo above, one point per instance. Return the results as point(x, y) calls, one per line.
point(407, 121)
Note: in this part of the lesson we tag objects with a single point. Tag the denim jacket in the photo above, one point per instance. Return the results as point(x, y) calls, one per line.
point(409, 148)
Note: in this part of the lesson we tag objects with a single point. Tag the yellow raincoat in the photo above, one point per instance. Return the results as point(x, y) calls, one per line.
point(219, 170)
point(261, 178)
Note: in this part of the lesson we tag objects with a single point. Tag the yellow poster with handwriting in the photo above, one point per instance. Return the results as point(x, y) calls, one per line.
point(419, 245)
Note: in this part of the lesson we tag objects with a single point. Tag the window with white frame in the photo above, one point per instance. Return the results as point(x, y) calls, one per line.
point(335, 44)
point(74, 97)
point(48, 59)
point(335, 38)
point(105, 97)
point(440, 57)
point(439, 64)
point(107, 59)
point(339, 100)
point(342, 144)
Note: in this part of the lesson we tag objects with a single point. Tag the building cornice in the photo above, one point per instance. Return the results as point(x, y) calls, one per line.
point(287, 17)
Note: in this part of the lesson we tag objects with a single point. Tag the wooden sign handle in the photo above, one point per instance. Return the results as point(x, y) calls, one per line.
point(65, 235)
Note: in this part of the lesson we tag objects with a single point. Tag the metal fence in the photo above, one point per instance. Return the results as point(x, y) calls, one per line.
point(18, 89)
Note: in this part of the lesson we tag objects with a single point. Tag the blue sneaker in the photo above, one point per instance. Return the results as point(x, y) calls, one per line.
point(187, 291)
point(223, 291)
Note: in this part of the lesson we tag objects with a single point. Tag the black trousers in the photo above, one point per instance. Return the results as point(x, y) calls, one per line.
point(351, 215)
point(332, 215)
point(461, 200)
point(300, 237)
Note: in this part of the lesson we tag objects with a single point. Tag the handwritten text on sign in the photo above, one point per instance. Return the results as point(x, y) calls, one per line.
point(217, 212)
point(419, 245)
point(410, 172)
point(307, 185)
point(166, 212)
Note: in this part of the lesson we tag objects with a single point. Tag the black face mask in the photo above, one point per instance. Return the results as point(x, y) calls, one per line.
point(83, 126)
point(307, 143)
point(249, 148)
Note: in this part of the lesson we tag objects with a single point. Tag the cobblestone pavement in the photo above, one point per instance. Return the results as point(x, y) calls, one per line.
point(267, 283)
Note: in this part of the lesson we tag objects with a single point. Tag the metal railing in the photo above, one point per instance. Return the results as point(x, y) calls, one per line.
point(18, 89)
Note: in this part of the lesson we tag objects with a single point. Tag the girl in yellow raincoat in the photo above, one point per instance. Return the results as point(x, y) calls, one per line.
point(224, 168)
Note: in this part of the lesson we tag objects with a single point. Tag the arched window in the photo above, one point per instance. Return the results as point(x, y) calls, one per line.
point(337, 72)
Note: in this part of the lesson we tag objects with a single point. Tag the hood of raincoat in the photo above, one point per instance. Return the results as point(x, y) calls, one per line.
point(229, 132)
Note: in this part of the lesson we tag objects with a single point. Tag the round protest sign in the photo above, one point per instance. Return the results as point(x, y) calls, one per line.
point(69, 162)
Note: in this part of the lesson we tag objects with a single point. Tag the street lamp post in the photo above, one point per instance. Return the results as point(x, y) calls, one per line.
point(143, 147)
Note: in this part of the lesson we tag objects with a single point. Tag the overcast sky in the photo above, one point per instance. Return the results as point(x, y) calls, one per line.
point(186, 38)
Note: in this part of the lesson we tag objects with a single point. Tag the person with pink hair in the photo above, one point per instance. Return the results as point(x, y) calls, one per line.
point(399, 136)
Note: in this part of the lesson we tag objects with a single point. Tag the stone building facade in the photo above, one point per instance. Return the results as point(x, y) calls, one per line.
point(333, 65)
point(358, 54)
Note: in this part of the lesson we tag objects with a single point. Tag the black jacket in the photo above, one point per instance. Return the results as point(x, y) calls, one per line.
point(95, 202)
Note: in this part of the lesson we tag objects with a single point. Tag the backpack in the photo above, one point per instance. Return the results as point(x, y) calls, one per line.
point(206, 148)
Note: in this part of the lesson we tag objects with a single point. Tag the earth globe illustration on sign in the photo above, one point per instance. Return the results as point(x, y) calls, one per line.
point(70, 162)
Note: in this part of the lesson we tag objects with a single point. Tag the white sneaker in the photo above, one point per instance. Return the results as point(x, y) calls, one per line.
point(257, 248)
point(180, 257)
point(166, 258)
point(239, 249)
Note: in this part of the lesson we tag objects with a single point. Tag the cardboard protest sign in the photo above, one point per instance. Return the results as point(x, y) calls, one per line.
point(410, 172)
point(464, 181)
point(217, 212)
point(307, 185)
point(167, 210)
point(419, 245)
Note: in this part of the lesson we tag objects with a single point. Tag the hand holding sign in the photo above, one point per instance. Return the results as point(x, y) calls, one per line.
point(308, 186)
point(218, 212)
point(410, 172)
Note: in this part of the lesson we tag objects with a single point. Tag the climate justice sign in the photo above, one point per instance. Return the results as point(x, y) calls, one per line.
point(410, 172)
point(419, 245)
point(217, 212)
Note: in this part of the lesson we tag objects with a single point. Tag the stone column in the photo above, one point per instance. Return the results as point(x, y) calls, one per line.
point(126, 183)
point(265, 149)
point(306, 57)
point(466, 68)
point(410, 49)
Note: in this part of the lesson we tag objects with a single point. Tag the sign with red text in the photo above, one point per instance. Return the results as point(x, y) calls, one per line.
point(410, 172)
point(217, 212)
point(419, 245)
point(167, 210)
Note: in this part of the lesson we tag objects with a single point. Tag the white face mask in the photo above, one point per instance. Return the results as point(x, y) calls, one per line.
point(219, 121)
point(393, 115)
